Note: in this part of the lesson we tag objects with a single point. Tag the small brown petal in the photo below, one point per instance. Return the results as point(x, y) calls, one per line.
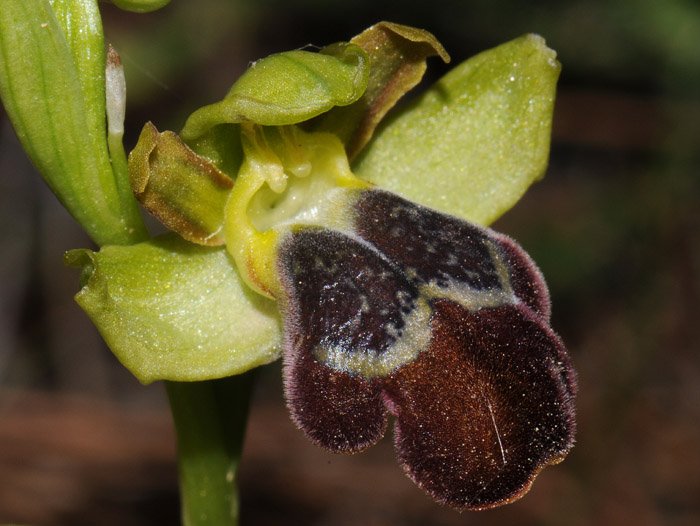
point(185, 191)
point(397, 56)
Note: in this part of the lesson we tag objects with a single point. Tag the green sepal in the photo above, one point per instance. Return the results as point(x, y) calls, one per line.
point(287, 88)
point(182, 189)
point(477, 139)
point(397, 57)
point(52, 87)
point(140, 6)
point(172, 310)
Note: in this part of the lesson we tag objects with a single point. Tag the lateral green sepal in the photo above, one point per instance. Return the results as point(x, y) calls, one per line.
point(170, 310)
point(477, 139)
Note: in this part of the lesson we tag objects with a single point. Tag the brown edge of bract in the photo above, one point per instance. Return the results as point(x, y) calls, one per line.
point(384, 42)
point(412, 34)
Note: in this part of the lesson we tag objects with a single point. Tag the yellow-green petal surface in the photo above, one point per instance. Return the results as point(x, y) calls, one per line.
point(477, 139)
point(176, 311)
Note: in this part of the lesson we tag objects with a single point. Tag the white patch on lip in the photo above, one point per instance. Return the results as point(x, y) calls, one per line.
point(414, 337)
point(308, 201)
point(471, 298)
point(416, 334)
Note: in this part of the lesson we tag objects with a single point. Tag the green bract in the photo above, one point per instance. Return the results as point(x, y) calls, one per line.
point(470, 145)
point(172, 310)
point(52, 85)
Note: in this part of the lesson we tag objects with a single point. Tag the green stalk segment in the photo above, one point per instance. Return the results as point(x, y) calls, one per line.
point(210, 420)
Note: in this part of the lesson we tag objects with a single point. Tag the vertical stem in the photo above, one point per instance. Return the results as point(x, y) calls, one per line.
point(210, 420)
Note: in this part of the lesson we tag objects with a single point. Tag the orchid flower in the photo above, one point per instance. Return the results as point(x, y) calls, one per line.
point(336, 253)
point(308, 226)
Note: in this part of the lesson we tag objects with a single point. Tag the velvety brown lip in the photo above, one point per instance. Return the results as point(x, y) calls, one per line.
point(484, 400)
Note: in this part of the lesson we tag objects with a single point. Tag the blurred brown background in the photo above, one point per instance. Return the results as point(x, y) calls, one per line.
point(615, 227)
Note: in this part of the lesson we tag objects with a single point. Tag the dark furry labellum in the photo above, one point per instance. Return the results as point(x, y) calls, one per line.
point(440, 322)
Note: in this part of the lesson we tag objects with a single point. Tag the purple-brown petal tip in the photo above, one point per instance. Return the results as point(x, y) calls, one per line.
point(344, 320)
point(337, 411)
point(485, 408)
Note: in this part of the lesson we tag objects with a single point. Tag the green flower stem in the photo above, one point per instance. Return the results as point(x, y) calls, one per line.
point(210, 420)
